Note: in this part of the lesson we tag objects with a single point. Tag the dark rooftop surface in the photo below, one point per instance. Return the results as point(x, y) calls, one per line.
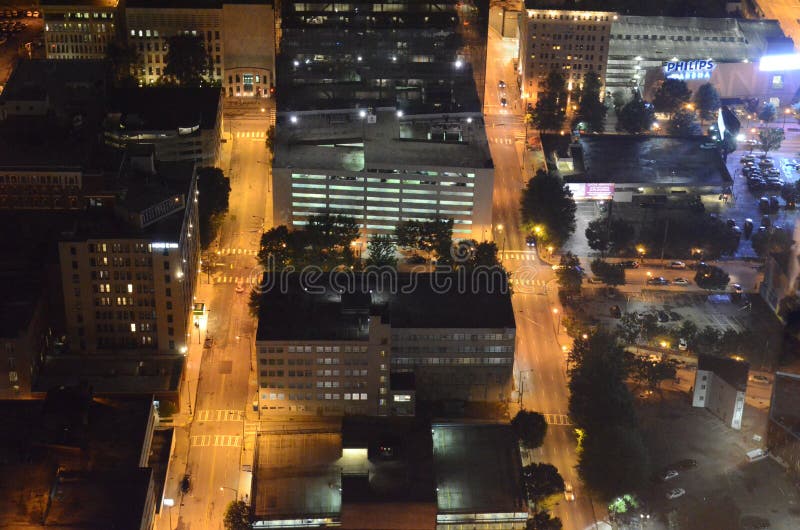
point(785, 406)
point(729, 370)
point(19, 297)
point(165, 108)
point(113, 375)
point(478, 469)
point(305, 308)
point(91, 3)
point(636, 7)
point(627, 159)
point(190, 4)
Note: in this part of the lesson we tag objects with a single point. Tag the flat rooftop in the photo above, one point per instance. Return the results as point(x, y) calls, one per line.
point(478, 469)
point(785, 406)
point(163, 109)
point(731, 371)
point(625, 159)
point(109, 375)
point(403, 300)
point(345, 141)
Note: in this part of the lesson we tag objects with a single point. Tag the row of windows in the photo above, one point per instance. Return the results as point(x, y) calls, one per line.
point(279, 396)
point(319, 349)
point(443, 361)
point(453, 336)
point(681, 38)
point(57, 180)
point(458, 349)
point(562, 16)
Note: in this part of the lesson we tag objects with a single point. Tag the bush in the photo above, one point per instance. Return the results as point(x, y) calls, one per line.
point(711, 277)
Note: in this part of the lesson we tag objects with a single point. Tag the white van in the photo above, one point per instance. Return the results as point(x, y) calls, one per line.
point(756, 454)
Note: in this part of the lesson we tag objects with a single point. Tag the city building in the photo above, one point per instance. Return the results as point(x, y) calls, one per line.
point(182, 124)
point(783, 429)
point(239, 36)
point(781, 277)
point(128, 270)
point(622, 48)
point(84, 462)
point(719, 386)
point(368, 328)
point(382, 167)
point(391, 473)
point(419, 57)
point(79, 29)
point(649, 170)
point(569, 41)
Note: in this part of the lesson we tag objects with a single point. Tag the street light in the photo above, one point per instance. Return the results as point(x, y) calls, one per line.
point(786, 112)
point(234, 490)
point(500, 229)
point(642, 251)
point(169, 503)
point(557, 313)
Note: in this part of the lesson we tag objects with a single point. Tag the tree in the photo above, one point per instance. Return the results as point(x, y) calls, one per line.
point(614, 234)
point(706, 99)
point(711, 277)
point(382, 251)
point(591, 110)
point(188, 61)
point(672, 95)
point(569, 274)
point(530, 427)
point(613, 460)
point(768, 113)
point(213, 188)
point(328, 239)
point(610, 273)
point(706, 341)
point(270, 139)
point(769, 139)
point(434, 237)
point(652, 373)
point(549, 111)
point(237, 516)
point(542, 520)
point(548, 209)
point(629, 328)
point(774, 241)
point(682, 123)
point(124, 59)
point(688, 331)
point(542, 480)
point(277, 249)
point(636, 116)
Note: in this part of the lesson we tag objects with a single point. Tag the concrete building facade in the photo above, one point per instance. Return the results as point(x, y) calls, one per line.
point(79, 29)
point(719, 386)
point(783, 428)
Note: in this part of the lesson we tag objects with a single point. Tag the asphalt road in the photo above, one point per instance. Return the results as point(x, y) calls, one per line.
point(540, 363)
point(219, 433)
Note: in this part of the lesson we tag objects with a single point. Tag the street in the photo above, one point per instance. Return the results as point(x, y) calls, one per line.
point(216, 441)
point(540, 364)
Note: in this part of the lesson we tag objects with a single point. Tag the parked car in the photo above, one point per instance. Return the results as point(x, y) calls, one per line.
point(766, 221)
point(675, 493)
point(681, 281)
point(663, 316)
point(659, 280)
point(677, 265)
point(737, 288)
point(687, 463)
point(760, 379)
point(683, 345)
point(569, 492)
point(630, 264)
point(669, 474)
point(763, 204)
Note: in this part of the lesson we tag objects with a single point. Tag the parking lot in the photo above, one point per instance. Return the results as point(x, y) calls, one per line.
point(724, 490)
point(13, 39)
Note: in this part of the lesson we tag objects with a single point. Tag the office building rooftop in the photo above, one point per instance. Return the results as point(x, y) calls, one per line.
point(785, 406)
point(731, 371)
point(182, 110)
point(359, 141)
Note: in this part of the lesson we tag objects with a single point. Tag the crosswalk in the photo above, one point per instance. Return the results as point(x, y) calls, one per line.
point(520, 255)
point(219, 415)
point(557, 419)
point(250, 134)
point(216, 440)
point(505, 141)
point(238, 280)
point(237, 252)
point(526, 282)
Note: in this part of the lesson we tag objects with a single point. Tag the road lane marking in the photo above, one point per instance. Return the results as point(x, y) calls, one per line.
point(557, 419)
point(220, 415)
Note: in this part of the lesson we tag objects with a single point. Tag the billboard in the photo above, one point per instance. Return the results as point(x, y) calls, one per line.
point(779, 63)
point(592, 191)
point(688, 70)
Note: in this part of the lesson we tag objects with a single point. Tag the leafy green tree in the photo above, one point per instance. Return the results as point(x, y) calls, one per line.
point(188, 61)
point(123, 59)
point(569, 275)
point(434, 237)
point(270, 139)
point(629, 328)
point(768, 113)
point(612, 235)
point(770, 139)
point(530, 427)
point(548, 209)
point(591, 110)
point(277, 248)
point(542, 480)
point(688, 331)
point(706, 99)
point(549, 111)
point(613, 460)
point(382, 251)
point(672, 95)
point(329, 238)
point(597, 235)
point(636, 116)
point(711, 277)
point(213, 188)
point(652, 373)
point(542, 520)
point(610, 273)
point(682, 123)
point(775, 241)
point(237, 516)
point(706, 341)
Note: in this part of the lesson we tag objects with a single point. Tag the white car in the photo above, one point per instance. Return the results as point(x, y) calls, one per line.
point(760, 379)
point(240, 287)
point(569, 493)
point(680, 281)
point(677, 492)
point(677, 265)
point(683, 345)
point(669, 475)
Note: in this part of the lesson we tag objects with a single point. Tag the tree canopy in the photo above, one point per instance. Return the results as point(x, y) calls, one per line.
point(711, 277)
point(610, 273)
point(671, 95)
point(707, 101)
point(548, 209)
point(214, 189)
point(434, 237)
point(530, 427)
point(770, 139)
point(569, 274)
point(636, 116)
point(609, 234)
point(768, 113)
point(382, 251)
point(682, 123)
point(542, 480)
point(188, 61)
point(237, 516)
point(775, 241)
point(591, 110)
point(549, 111)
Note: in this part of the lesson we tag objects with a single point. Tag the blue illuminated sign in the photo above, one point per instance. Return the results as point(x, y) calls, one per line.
point(688, 70)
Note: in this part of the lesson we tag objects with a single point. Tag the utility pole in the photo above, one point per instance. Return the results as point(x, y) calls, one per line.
point(664, 243)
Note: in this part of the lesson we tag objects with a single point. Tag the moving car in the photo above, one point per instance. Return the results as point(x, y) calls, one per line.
point(530, 241)
point(630, 264)
point(760, 379)
point(737, 288)
point(659, 280)
point(240, 287)
point(677, 265)
point(569, 493)
point(669, 474)
point(503, 102)
point(681, 281)
point(675, 493)
point(501, 84)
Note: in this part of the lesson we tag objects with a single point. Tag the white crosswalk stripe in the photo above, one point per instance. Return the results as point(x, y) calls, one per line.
point(238, 280)
point(216, 440)
point(524, 255)
point(219, 415)
point(526, 282)
point(237, 252)
point(503, 140)
point(557, 419)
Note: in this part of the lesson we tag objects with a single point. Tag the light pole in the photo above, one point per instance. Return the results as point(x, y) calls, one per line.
point(500, 229)
point(786, 112)
point(641, 251)
point(169, 503)
point(234, 490)
point(522, 387)
point(557, 313)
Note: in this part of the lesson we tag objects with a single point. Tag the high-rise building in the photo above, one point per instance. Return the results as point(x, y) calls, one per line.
point(337, 344)
point(79, 29)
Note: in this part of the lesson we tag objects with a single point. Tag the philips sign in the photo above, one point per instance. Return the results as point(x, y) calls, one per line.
point(687, 70)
